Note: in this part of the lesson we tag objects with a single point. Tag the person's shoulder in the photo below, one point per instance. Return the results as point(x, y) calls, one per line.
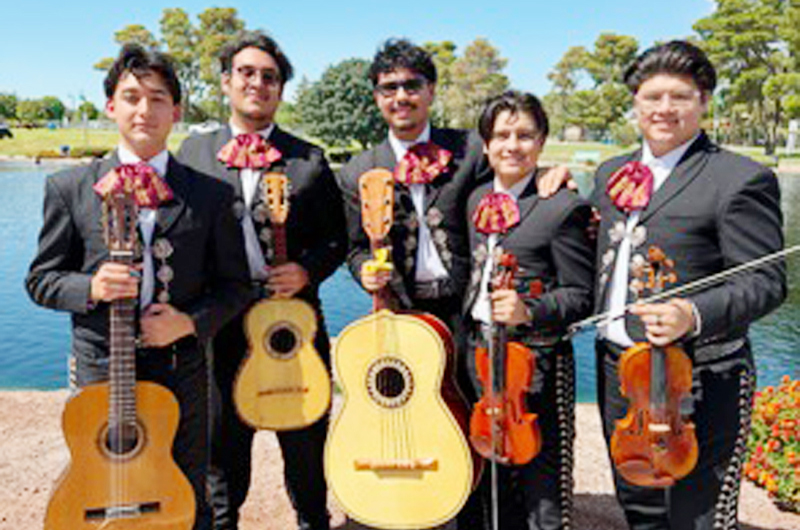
point(615, 162)
point(293, 146)
point(76, 175)
point(739, 164)
point(358, 164)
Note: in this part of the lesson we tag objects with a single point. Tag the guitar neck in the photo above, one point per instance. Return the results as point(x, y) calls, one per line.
point(122, 362)
point(279, 242)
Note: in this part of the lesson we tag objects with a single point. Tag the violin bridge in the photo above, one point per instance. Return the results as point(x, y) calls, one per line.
point(407, 464)
point(659, 428)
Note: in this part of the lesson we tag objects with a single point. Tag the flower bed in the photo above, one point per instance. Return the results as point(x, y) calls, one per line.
point(774, 461)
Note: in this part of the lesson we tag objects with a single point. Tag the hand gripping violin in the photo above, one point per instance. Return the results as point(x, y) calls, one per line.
point(501, 428)
point(654, 445)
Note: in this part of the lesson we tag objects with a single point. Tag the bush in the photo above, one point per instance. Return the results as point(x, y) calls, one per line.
point(88, 152)
point(774, 443)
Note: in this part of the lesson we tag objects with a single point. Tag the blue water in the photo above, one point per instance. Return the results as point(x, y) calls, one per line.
point(35, 342)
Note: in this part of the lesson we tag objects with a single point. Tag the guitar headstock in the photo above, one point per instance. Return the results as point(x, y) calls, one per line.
point(120, 215)
point(376, 189)
point(276, 195)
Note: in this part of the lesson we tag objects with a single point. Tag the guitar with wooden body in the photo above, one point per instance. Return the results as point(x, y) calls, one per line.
point(396, 455)
point(121, 475)
point(282, 384)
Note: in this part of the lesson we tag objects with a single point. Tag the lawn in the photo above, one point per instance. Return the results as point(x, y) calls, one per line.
point(41, 142)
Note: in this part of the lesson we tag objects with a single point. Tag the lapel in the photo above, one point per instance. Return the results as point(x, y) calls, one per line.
point(169, 212)
point(528, 199)
point(689, 168)
point(479, 240)
point(434, 189)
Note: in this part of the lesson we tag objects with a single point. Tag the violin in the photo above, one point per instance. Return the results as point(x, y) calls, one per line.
point(501, 427)
point(655, 444)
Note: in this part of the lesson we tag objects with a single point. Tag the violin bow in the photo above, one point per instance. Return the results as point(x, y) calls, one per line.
point(604, 319)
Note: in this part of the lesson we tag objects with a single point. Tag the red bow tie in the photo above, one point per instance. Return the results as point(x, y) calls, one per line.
point(422, 163)
point(248, 151)
point(496, 213)
point(630, 187)
point(140, 179)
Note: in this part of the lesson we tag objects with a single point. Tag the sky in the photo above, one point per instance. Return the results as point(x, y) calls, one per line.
point(48, 47)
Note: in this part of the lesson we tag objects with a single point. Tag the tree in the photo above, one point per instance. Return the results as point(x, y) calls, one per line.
point(88, 109)
point(218, 26)
point(54, 109)
point(601, 109)
point(8, 105)
point(473, 78)
point(31, 111)
point(180, 39)
point(444, 55)
point(132, 33)
point(339, 108)
point(743, 38)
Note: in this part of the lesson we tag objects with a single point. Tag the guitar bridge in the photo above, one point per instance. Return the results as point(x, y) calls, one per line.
point(409, 464)
point(123, 511)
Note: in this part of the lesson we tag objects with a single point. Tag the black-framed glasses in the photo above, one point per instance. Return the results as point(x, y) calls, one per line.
point(411, 86)
point(268, 76)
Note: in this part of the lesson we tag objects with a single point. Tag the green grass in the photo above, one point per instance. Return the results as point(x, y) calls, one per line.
point(44, 142)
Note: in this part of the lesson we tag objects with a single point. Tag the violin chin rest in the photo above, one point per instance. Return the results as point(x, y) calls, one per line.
point(642, 473)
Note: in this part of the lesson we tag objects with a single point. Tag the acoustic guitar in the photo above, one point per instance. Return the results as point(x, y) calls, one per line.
point(121, 474)
point(282, 384)
point(396, 454)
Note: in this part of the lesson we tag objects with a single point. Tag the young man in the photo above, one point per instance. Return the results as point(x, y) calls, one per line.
point(710, 210)
point(430, 251)
point(254, 72)
point(193, 278)
point(551, 289)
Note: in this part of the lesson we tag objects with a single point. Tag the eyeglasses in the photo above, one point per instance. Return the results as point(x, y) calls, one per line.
point(268, 76)
point(411, 86)
point(677, 99)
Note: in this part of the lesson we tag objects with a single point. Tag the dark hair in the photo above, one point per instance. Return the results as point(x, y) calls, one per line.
point(677, 58)
point(401, 53)
point(514, 102)
point(256, 39)
point(140, 62)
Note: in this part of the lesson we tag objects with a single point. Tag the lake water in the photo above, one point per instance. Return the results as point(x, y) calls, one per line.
point(34, 342)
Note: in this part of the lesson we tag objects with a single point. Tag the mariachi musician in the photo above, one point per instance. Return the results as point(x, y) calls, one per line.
point(254, 72)
point(703, 210)
point(551, 289)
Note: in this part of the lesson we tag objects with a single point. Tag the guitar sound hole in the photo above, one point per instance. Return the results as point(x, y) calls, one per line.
point(390, 382)
point(282, 341)
point(122, 439)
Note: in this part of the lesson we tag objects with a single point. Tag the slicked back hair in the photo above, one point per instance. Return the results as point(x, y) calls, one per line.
point(674, 58)
point(140, 62)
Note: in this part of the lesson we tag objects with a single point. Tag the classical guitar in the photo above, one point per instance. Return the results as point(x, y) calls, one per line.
point(655, 444)
point(282, 384)
point(396, 455)
point(121, 474)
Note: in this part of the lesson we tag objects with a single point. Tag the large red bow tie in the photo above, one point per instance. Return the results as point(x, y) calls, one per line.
point(248, 151)
point(496, 213)
point(140, 179)
point(422, 163)
point(630, 187)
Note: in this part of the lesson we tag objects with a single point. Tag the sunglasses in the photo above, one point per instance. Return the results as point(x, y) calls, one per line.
point(411, 86)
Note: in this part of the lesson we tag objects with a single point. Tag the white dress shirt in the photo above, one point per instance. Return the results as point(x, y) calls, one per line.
point(662, 168)
point(250, 178)
point(482, 308)
point(429, 264)
point(147, 223)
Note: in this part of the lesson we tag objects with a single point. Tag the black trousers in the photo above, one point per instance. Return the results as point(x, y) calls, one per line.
point(537, 495)
point(707, 498)
point(182, 368)
point(231, 443)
